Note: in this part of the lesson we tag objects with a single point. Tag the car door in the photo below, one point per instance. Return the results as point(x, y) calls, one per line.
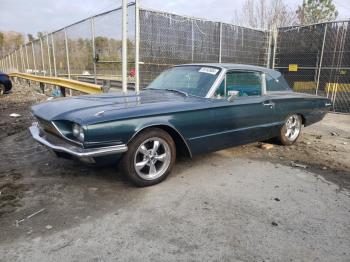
point(240, 113)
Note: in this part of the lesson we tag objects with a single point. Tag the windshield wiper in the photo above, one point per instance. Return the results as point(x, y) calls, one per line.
point(170, 90)
point(177, 91)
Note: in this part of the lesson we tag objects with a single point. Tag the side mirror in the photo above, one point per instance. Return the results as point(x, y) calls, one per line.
point(232, 95)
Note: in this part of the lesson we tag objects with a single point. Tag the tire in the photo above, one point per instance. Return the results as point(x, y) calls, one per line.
point(150, 157)
point(2, 89)
point(290, 131)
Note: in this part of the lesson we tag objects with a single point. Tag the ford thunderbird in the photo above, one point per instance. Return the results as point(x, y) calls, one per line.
point(187, 109)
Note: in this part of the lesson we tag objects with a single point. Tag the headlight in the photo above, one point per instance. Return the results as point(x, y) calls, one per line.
point(78, 132)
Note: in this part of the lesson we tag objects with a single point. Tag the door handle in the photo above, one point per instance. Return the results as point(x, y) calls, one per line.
point(269, 104)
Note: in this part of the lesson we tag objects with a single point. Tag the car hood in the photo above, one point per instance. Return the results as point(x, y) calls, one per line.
point(89, 109)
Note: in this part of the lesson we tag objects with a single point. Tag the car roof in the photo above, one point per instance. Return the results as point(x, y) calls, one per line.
point(229, 66)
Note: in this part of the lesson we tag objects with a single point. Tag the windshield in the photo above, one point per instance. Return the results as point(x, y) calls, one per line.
point(192, 80)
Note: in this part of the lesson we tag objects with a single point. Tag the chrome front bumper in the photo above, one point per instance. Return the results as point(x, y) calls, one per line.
point(84, 154)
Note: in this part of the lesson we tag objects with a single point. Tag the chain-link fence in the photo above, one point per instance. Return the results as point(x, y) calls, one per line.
point(169, 39)
point(314, 59)
point(89, 50)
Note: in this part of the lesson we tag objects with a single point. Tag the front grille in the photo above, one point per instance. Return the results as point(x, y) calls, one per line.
point(48, 127)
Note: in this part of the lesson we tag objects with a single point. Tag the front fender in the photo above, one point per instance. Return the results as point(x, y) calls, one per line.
point(122, 131)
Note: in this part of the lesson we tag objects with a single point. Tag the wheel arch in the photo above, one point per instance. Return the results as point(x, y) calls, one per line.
point(180, 142)
point(303, 119)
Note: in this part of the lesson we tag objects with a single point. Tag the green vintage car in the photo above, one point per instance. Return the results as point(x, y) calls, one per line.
point(188, 109)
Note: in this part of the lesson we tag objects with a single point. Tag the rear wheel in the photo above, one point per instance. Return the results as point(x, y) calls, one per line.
point(150, 157)
point(291, 130)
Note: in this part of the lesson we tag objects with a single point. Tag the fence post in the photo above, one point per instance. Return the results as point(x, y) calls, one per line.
point(16, 58)
point(42, 56)
point(22, 58)
point(268, 62)
point(27, 56)
point(321, 59)
point(12, 61)
point(67, 52)
point(124, 45)
point(93, 48)
point(192, 50)
point(275, 35)
point(137, 46)
point(54, 55)
point(220, 43)
point(48, 54)
point(34, 58)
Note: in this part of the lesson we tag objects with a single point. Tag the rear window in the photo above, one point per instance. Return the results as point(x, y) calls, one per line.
point(276, 84)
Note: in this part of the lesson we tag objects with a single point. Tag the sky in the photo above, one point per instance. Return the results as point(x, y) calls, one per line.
point(31, 16)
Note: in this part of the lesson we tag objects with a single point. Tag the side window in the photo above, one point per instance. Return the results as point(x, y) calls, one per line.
point(240, 84)
point(278, 84)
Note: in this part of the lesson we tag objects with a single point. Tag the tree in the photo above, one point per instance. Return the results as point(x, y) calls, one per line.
point(39, 34)
point(2, 42)
point(9, 42)
point(316, 11)
point(265, 14)
point(30, 37)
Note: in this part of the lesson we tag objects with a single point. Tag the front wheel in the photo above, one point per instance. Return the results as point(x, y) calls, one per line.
point(291, 130)
point(150, 157)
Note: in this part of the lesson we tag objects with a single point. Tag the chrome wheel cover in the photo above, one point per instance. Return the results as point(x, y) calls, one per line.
point(152, 158)
point(293, 127)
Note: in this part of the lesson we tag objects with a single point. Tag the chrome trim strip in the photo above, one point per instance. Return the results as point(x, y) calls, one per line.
point(237, 130)
point(217, 82)
point(328, 104)
point(75, 150)
point(63, 136)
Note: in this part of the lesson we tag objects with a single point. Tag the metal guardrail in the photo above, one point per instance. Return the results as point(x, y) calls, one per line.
point(61, 82)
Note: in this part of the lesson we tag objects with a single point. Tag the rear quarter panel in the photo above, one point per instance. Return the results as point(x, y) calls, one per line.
point(311, 108)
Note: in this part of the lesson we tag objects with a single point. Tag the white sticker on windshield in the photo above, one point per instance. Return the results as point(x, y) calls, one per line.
point(209, 70)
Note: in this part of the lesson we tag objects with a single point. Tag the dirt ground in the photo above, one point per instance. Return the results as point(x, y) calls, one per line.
point(72, 197)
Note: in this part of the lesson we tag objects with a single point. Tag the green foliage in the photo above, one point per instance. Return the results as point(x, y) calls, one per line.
point(316, 11)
